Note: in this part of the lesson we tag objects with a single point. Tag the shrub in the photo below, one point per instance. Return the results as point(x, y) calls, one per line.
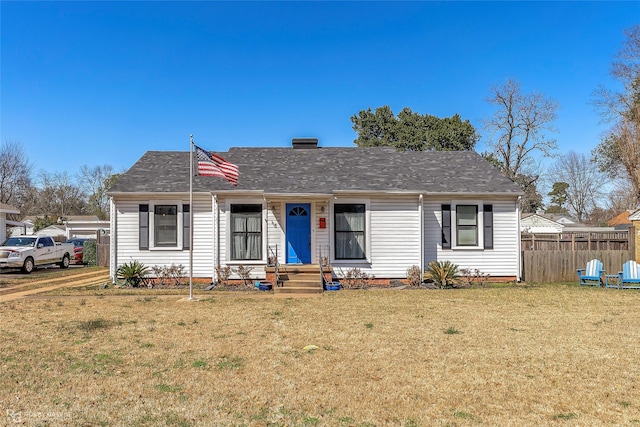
point(245, 274)
point(169, 276)
point(223, 274)
point(131, 274)
point(355, 278)
point(444, 274)
point(414, 275)
point(473, 277)
point(90, 253)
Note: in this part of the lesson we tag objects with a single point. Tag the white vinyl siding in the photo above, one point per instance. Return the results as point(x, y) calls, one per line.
point(275, 232)
point(321, 244)
point(224, 234)
point(276, 229)
point(393, 234)
point(502, 260)
point(393, 238)
point(126, 225)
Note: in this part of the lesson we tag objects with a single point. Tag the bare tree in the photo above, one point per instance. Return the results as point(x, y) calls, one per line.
point(618, 154)
point(96, 182)
point(621, 196)
point(585, 182)
point(625, 68)
point(518, 130)
point(619, 151)
point(15, 172)
point(58, 195)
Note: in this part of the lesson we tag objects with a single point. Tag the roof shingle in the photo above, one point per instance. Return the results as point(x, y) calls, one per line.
point(323, 171)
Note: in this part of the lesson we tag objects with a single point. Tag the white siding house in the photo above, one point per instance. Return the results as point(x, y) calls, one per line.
point(4, 210)
point(84, 226)
point(534, 223)
point(374, 209)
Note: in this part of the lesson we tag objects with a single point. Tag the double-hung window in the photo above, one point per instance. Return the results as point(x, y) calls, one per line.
point(164, 225)
point(246, 232)
point(467, 225)
point(350, 230)
point(464, 225)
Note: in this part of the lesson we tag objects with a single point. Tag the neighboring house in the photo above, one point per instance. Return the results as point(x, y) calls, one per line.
point(58, 232)
point(375, 209)
point(4, 210)
point(553, 223)
point(86, 226)
point(621, 221)
point(564, 219)
point(538, 223)
point(25, 227)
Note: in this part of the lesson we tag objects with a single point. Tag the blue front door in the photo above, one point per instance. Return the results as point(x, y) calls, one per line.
point(298, 233)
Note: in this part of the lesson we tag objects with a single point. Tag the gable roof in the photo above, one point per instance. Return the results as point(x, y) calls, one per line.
point(536, 217)
point(85, 218)
point(323, 170)
point(8, 209)
point(539, 223)
point(564, 219)
point(621, 219)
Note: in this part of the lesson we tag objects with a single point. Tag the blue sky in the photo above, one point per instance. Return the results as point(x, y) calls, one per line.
point(100, 83)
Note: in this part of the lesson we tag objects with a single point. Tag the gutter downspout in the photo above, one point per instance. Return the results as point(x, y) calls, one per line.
point(421, 215)
point(519, 278)
point(113, 246)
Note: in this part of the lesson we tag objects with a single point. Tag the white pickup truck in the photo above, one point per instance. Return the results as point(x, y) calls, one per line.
point(29, 252)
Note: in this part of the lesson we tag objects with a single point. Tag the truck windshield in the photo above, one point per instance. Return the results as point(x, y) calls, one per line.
point(20, 241)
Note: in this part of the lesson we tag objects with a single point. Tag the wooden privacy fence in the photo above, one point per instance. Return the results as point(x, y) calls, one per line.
point(561, 266)
point(102, 248)
point(621, 240)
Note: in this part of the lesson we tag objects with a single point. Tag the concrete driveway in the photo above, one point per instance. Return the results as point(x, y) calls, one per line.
point(43, 283)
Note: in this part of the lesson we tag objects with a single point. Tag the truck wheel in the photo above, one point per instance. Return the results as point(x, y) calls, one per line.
point(27, 268)
point(65, 261)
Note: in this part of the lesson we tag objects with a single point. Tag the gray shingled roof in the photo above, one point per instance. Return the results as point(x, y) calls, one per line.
point(8, 208)
point(323, 171)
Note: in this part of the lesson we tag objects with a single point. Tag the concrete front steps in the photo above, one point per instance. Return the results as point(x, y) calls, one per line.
point(299, 280)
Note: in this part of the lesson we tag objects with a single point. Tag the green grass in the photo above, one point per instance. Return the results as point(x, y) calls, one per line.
point(230, 363)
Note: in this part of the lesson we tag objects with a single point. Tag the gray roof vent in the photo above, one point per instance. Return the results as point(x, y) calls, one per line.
point(304, 142)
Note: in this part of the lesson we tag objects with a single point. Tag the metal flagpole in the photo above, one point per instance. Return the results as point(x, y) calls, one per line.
point(191, 298)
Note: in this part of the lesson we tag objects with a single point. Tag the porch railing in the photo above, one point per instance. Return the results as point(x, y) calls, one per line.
point(273, 258)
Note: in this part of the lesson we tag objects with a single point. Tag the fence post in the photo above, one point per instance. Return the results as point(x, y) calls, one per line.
point(634, 243)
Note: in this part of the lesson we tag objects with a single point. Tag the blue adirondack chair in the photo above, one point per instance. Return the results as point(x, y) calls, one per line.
point(629, 277)
point(592, 274)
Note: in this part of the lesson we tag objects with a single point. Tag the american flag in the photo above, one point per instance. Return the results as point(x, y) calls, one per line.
point(210, 164)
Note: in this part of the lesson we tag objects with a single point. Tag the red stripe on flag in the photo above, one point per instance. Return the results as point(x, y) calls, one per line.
point(210, 164)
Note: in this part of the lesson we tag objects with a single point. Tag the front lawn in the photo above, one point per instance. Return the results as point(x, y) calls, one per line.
point(508, 355)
